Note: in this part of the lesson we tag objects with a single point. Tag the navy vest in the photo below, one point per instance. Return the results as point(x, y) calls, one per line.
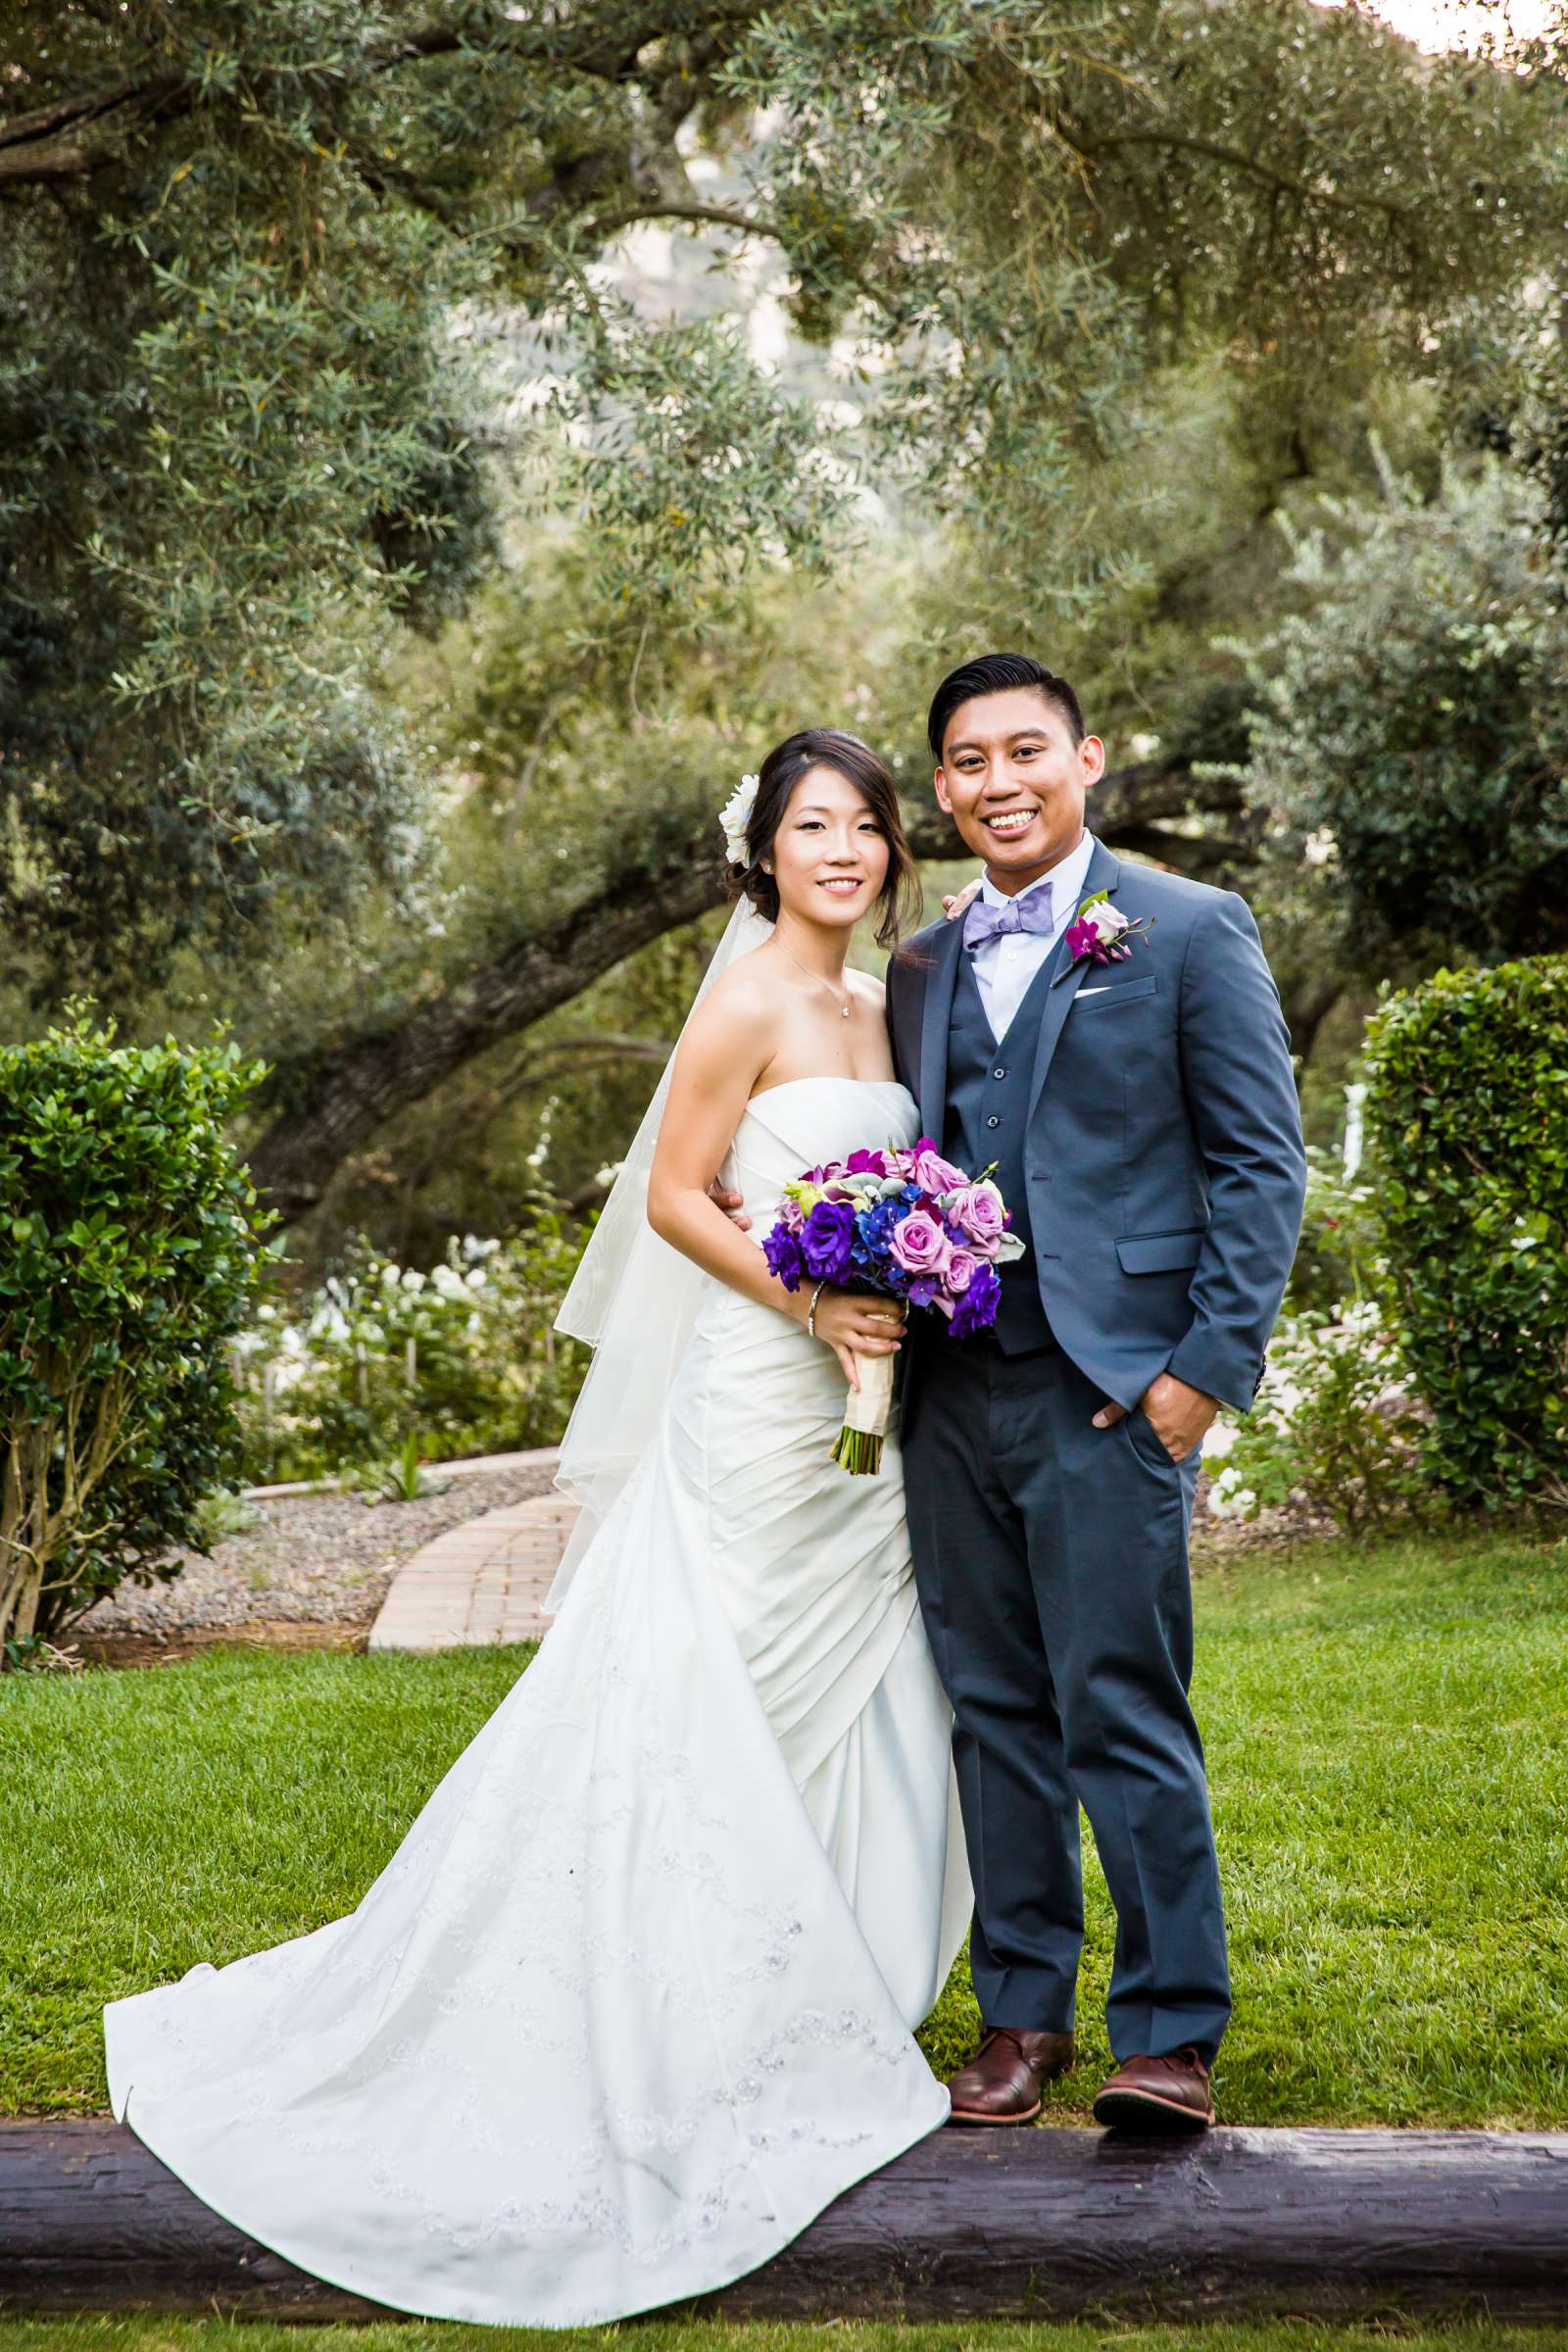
point(987, 1112)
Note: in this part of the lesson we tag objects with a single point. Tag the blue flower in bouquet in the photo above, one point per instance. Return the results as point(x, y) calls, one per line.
point(782, 1250)
point(975, 1308)
point(869, 1248)
point(828, 1239)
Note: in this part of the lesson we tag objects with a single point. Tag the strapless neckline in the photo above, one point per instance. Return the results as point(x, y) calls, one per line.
point(828, 1078)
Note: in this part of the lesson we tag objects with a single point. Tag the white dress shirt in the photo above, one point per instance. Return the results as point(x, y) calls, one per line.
point(1004, 966)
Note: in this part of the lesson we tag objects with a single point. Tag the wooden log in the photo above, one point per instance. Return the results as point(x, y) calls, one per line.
point(1044, 2224)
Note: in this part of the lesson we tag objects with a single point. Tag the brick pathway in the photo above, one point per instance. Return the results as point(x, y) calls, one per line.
point(480, 1583)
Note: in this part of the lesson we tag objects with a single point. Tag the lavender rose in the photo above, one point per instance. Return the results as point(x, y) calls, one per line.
point(919, 1245)
point(978, 1211)
point(962, 1267)
point(826, 1243)
point(934, 1174)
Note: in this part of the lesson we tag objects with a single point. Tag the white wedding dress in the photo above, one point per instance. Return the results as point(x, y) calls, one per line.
point(633, 2000)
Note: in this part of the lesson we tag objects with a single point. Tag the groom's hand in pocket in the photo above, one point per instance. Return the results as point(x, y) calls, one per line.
point(730, 1204)
point(1177, 1414)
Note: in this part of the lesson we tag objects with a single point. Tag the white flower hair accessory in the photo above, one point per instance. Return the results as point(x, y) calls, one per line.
point(736, 815)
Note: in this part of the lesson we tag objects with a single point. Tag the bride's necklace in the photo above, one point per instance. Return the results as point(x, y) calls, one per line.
point(844, 1008)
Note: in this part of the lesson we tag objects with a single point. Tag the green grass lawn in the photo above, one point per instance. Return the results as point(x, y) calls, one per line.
point(1388, 1740)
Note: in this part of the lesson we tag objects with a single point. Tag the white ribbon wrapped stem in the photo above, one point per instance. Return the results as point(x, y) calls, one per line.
point(867, 1410)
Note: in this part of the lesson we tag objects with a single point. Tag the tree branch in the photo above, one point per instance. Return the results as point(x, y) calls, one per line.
point(1093, 145)
point(337, 1098)
point(721, 216)
point(57, 142)
point(52, 142)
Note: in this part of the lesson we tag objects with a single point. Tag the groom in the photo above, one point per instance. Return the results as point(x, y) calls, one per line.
point(1142, 1116)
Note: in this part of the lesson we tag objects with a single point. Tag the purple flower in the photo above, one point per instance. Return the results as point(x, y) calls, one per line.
point(924, 1291)
point(866, 1163)
point(827, 1240)
point(979, 1211)
point(932, 1173)
point(783, 1251)
point(962, 1267)
point(976, 1310)
point(919, 1244)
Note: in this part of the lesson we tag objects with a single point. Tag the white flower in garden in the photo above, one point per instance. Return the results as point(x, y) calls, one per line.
point(448, 1281)
point(413, 1279)
point(475, 1278)
point(736, 815)
point(391, 1276)
point(1228, 1497)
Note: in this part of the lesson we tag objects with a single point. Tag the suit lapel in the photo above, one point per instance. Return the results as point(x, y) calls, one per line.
point(1104, 873)
point(936, 1015)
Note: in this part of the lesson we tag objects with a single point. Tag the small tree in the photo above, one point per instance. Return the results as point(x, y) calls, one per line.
point(129, 1245)
point(1411, 721)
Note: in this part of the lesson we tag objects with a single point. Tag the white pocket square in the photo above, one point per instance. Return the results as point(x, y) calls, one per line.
point(1103, 990)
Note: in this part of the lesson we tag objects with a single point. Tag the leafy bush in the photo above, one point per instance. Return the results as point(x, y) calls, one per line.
point(1338, 1255)
point(399, 1478)
point(129, 1245)
point(1333, 1427)
point(464, 1355)
point(1469, 1114)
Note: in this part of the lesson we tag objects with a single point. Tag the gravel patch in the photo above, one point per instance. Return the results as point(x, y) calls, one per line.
point(309, 1560)
point(314, 1568)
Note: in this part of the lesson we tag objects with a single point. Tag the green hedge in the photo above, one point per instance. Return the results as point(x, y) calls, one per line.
point(130, 1242)
point(1468, 1107)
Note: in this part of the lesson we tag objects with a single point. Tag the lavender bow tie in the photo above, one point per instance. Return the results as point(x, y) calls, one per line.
point(1029, 912)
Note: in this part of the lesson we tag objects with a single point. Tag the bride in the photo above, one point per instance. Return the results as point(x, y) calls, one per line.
point(634, 1998)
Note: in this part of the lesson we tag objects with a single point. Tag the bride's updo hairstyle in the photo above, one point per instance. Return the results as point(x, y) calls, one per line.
point(899, 902)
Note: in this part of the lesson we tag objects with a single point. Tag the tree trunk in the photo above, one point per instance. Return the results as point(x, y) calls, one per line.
point(335, 1100)
point(1049, 2225)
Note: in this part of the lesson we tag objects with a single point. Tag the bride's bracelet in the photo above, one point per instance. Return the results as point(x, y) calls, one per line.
point(810, 1312)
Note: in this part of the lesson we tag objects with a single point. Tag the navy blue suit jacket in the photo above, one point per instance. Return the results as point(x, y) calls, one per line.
point(1163, 1159)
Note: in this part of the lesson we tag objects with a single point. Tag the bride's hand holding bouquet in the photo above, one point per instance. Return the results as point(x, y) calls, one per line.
point(904, 1225)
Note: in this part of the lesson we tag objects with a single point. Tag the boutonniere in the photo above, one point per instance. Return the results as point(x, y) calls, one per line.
point(1100, 934)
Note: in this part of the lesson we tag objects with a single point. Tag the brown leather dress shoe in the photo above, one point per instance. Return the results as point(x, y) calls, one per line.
point(1001, 2084)
point(1158, 2094)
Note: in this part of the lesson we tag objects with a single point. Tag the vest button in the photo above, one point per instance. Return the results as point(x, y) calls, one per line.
point(993, 1121)
point(999, 1073)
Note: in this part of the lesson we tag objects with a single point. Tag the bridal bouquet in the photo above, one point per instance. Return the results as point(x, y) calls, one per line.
point(905, 1222)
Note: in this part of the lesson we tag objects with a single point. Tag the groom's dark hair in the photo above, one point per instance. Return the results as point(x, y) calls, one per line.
point(996, 673)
